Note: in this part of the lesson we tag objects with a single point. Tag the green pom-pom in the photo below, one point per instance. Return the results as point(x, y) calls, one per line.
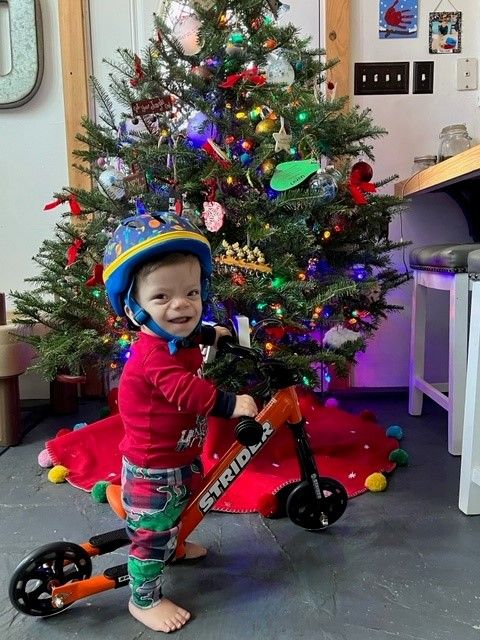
point(104, 412)
point(99, 491)
point(400, 456)
point(376, 482)
point(395, 431)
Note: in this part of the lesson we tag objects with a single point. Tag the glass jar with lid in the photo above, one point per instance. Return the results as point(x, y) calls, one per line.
point(453, 139)
point(422, 162)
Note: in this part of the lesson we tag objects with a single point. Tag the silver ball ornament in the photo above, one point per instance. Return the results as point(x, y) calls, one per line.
point(324, 185)
point(111, 183)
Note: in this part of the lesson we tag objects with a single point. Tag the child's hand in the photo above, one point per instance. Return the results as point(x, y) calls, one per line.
point(219, 332)
point(245, 406)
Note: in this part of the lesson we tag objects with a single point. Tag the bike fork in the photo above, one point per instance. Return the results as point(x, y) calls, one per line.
point(112, 578)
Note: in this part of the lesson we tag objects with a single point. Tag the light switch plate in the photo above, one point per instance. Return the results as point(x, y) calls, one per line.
point(381, 78)
point(467, 74)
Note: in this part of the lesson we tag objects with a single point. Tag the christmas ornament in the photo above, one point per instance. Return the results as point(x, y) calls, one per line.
point(324, 185)
point(267, 167)
point(149, 106)
point(361, 172)
point(73, 251)
point(139, 74)
point(213, 214)
point(290, 174)
point(215, 152)
point(200, 129)
point(96, 278)
point(338, 336)
point(111, 183)
point(75, 209)
point(359, 182)
point(282, 138)
point(130, 130)
point(270, 44)
point(266, 127)
point(280, 71)
point(251, 75)
point(235, 44)
point(186, 32)
point(243, 258)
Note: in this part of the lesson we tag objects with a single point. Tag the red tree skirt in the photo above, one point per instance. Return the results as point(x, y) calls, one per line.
point(347, 448)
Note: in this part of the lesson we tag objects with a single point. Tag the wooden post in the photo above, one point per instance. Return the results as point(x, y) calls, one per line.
point(337, 44)
point(10, 419)
point(76, 65)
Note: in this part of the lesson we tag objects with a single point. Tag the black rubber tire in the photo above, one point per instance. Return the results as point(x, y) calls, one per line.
point(51, 565)
point(307, 511)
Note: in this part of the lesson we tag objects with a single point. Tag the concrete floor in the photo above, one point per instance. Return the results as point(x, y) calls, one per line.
point(398, 565)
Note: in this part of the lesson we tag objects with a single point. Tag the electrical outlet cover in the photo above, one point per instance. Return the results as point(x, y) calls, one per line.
point(467, 74)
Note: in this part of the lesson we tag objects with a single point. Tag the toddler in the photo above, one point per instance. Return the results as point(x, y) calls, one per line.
point(157, 272)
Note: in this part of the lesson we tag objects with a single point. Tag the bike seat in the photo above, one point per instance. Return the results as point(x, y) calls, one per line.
point(114, 499)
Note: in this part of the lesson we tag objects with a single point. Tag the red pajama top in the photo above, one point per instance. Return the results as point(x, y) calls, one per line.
point(161, 398)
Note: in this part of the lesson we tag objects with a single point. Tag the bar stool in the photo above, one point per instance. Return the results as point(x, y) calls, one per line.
point(441, 267)
point(469, 498)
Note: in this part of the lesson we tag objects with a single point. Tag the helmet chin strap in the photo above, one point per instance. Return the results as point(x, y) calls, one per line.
point(141, 317)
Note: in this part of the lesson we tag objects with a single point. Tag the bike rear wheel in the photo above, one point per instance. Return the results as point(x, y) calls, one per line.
point(50, 566)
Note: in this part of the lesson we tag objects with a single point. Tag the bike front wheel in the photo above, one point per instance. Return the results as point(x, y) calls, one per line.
point(308, 511)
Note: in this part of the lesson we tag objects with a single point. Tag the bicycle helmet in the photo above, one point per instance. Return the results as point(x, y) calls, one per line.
point(144, 237)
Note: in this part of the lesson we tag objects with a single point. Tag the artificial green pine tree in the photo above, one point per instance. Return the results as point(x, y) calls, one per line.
point(228, 118)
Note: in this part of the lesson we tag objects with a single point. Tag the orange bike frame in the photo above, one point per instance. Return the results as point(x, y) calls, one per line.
point(283, 407)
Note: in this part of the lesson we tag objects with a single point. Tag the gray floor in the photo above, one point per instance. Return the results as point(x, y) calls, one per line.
point(398, 565)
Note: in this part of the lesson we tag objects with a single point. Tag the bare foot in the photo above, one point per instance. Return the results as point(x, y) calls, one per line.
point(166, 616)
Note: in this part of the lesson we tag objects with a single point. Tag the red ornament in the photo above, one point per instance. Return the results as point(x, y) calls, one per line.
point(361, 172)
point(73, 251)
point(138, 71)
point(359, 182)
point(97, 276)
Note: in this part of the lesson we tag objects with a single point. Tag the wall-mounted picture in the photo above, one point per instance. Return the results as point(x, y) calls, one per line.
point(398, 19)
point(445, 32)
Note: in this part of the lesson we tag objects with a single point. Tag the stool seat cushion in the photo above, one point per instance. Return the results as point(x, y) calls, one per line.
point(450, 258)
point(474, 262)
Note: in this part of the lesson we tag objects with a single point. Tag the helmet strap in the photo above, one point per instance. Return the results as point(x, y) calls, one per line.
point(142, 317)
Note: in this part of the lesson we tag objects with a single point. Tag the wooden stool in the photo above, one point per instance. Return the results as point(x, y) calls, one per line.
point(469, 498)
point(441, 267)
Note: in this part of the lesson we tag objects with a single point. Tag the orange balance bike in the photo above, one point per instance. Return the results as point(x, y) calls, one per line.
point(56, 575)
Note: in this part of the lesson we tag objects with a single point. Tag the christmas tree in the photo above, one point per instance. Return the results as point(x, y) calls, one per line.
point(228, 118)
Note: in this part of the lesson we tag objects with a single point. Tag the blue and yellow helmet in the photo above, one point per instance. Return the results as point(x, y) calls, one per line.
point(142, 238)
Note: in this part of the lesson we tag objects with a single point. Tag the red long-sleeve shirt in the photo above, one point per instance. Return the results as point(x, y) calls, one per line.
point(161, 398)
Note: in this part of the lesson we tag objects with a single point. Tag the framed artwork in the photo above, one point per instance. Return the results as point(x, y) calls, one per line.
point(445, 32)
point(398, 19)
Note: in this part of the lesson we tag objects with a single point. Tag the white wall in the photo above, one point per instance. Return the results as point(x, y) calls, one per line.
point(33, 164)
point(414, 123)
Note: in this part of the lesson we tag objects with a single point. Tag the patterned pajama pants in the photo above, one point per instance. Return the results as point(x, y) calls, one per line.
point(154, 500)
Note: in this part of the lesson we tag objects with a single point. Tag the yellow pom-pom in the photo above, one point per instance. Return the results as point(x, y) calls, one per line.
point(376, 482)
point(57, 474)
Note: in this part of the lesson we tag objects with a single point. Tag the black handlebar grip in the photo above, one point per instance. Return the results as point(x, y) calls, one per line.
point(248, 431)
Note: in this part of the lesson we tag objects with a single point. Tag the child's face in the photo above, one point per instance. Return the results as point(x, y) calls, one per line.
point(171, 295)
